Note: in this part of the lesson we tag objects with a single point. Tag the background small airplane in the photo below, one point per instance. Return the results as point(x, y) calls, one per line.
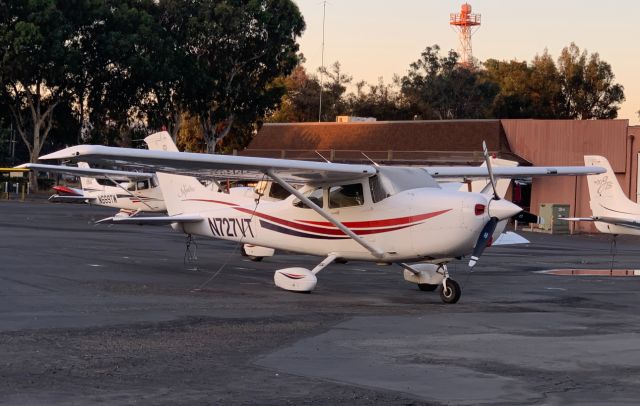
point(353, 212)
point(130, 192)
point(613, 212)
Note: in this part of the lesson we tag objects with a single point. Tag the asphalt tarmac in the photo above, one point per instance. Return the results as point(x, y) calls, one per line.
point(114, 315)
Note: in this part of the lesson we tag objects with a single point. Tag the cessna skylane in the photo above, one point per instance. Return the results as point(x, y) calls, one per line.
point(343, 212)
point(613, 212)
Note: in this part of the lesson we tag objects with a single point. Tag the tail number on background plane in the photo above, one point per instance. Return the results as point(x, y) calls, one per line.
point(107, 199)
point(230, 227)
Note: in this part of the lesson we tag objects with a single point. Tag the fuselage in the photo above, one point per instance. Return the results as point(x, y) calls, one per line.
point(127, 198)
point(416, 224)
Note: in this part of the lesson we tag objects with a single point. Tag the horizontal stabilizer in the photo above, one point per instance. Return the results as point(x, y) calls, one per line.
point(161, 220)
point(510, 238)
point(576, 218)
point(71, 199)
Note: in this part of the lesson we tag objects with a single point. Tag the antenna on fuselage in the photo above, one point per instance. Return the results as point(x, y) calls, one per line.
point(370, 160)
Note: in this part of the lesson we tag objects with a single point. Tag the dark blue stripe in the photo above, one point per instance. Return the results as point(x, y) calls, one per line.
point(277, 228)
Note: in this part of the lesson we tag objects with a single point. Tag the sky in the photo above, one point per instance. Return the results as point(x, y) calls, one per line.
point(380, 38)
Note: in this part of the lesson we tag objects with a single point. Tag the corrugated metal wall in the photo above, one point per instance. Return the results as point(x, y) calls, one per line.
point(566, 142)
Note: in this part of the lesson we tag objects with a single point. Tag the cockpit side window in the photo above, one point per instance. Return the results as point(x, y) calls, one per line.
point(346, 196)
point(315, 195)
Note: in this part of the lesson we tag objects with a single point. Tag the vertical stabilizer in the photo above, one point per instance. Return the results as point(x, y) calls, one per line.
point(89, 185)
point(606, 196)
point(175, 188)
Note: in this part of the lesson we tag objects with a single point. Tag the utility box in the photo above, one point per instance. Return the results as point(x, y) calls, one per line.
point(551, 213)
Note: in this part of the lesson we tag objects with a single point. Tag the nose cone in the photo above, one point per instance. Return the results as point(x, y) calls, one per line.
point(503, 209)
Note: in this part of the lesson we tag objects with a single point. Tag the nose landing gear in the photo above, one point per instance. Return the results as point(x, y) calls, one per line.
point(429, 277)
point(450, 292)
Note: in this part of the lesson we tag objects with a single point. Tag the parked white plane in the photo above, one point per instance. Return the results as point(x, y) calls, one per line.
point(131, 192)
point(613, 212)
point(352, 212)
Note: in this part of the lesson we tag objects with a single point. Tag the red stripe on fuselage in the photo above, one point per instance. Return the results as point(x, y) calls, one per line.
point(334, 231)
point(312, 226)
point(379, 223)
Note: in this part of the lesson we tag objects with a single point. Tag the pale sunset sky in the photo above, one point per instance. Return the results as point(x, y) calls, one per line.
point(377, 38)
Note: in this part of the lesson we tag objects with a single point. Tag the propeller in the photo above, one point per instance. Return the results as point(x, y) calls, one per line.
point(492, 179)
point(498, 210)
point(483, 240)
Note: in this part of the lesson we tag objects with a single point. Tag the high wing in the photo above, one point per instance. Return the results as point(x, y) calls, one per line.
point(510, 171)
point(87, 172)
point(215, 166)
point(609, 220)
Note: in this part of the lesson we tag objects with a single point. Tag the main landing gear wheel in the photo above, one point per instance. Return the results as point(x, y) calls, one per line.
point(427, 287)
point(450, 294)
point(255, 259)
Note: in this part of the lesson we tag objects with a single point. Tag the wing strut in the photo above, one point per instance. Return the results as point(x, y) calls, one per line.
point(116, 184)
point(375, 251)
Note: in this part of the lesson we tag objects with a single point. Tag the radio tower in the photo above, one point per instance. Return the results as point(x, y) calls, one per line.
point(466, 24)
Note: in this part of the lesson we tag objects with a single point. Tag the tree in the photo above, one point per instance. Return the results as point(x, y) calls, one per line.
point(588, 85)
point(440, 88)
point(333, 90)
point(121, 57)
point(300, 103)
point(381, 101)
point(237, 48)
point(514, 98)
point(545, 88)
point(36, 69)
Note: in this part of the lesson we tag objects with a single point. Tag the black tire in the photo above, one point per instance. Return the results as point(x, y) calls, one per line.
point(340, 261)
point(255, 259)
point(452, 294)
point(427, 287)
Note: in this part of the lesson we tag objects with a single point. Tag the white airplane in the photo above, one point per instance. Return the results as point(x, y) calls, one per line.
point(613, 212)
point(351, 212)
point(130, 192)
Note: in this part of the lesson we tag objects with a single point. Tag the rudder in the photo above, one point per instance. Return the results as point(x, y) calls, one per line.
point(606, 196)
point(175, 188)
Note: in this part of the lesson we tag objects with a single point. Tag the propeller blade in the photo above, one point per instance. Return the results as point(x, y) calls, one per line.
point(527, 217)
point(490, 170)
point(483, 240)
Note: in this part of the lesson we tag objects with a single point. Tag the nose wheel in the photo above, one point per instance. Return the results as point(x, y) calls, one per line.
point(450, 292)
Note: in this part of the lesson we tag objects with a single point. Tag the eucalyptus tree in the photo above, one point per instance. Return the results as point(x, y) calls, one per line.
point(438, 87)
point(37, 65)
point(232, 50)
point(588, 85)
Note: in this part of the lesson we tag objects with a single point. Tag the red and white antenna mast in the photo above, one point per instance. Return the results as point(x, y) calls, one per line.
point(466, 24)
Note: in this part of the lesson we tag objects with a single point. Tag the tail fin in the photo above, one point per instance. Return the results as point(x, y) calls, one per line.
point(175, 188)
point(161, 141)
point(89, 184)
point(606, 196)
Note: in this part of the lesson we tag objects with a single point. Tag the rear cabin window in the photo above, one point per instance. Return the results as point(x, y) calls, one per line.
point(346, 196)
point(278, 192)
point(315, 195)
